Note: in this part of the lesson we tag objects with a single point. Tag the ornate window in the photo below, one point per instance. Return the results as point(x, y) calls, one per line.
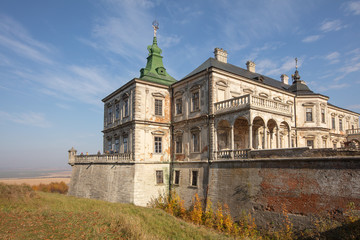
point(176, 177)
point(333, 123)
point(195, 138)
point(117, 111)
point(195, 101)
point(126, 107)
point(178, 106)
point(158, 107)
point(340, 125)
point(110, 114)
point(310, 143)
point(159, 177)
point(309, 117)
point(117, 145)
point(323, 115)
point(178, 144)
point(125, 144)
point(194, 178)
point(157, 144)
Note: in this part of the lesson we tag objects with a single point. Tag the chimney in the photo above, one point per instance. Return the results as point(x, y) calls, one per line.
point(284, 78)
point(220, 55)
point(250, 66)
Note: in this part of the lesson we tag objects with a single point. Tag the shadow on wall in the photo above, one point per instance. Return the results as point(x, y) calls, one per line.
point(346, 231)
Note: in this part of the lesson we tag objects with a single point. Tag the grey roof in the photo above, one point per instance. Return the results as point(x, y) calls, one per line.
point(300, 88)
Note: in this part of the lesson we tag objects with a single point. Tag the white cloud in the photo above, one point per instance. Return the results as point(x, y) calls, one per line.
point(353, 7)
point(15, 38)
point(333, 57)
point(29, 118)
point(331, 25)
point(356, 106)
point(286, 65)
point(332, 86)
point(311, 38)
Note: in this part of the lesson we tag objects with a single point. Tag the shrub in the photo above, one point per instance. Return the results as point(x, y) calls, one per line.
point(53, 187)
point(16, 191)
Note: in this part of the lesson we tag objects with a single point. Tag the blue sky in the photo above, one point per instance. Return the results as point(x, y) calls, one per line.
point(58, 59)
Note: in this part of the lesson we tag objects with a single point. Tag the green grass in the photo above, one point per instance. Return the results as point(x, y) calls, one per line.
point(54, 216)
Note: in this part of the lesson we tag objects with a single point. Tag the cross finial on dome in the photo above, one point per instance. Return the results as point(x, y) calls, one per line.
point(296, 60)
point(155, 25)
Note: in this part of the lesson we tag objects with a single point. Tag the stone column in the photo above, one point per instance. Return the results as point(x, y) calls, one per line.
point(250, 137)
point(289, 138)
point(232, 141)
point(277, 138)
point(215, 144)
point(265, 138)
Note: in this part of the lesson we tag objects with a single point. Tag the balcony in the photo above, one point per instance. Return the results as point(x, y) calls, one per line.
point(250, 101)
point(353, 131)
point(104, 158)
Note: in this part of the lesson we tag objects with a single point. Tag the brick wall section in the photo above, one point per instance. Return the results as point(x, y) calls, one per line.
point(303, 186)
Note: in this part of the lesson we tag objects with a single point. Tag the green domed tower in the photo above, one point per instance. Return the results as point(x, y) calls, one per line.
point(154, 70)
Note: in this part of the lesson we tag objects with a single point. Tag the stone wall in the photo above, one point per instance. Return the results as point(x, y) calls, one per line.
point(114, 183)
point(302, 186)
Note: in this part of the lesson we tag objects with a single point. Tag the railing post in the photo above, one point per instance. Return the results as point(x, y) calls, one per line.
point(250, 137)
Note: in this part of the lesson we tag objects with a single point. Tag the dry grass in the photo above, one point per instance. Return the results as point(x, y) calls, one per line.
point(35, 181)
point(55, 216)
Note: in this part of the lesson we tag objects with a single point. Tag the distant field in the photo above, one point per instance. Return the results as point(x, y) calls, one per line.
point(34, 177)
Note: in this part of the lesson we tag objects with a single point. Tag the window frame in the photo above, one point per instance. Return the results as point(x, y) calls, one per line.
point(117, 111)
point(159, 177)
point(178, 106)
point(110, 114)
point(125, 143)
point(195, 107)
point(323, 115)
point(333, 123)
point(194, 178)
point(126, 107)
point(341, 124)
point(176, 177)
point(157, 144)
point(117, 145)
point(178, 144)
point(311, 141)
point(309, 114)
point(158, 108)
point(195, 148)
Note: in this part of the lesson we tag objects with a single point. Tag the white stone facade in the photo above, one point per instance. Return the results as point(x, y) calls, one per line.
point(219, 111)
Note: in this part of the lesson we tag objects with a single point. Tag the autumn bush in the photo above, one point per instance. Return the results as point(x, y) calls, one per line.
point(53, 187)
point(10, 191)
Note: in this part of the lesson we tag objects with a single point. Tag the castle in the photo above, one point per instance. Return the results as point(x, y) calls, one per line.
point(160, 133)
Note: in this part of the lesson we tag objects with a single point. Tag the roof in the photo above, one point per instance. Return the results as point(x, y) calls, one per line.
point(298, 87)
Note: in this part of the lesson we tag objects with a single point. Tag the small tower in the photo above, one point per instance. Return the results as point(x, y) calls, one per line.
point(72, 154)
point(154, 70)
point(220, 55)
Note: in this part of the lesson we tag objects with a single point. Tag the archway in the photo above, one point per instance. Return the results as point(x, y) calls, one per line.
point(285, 135)
point(258, 133)
point(241, 133)
point(223, 135)
point(272, 140)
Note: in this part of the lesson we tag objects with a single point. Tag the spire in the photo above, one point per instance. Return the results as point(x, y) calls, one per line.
point(298, 86)
point(296, 76)
point(154, 70)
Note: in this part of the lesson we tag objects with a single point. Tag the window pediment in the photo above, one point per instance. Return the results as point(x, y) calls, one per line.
point(341, 116)
point(278, 99)
point(289, 102)
point(248, 90)
point(179, 93)
point(158, 132)
point(195, 129)
point(264, 95)
point(157, 94)
point(125, 95)
point(195, 87)
point(308, 104)
point(221, 83)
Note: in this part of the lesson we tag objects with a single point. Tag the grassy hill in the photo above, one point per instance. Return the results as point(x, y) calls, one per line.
point(25, 214)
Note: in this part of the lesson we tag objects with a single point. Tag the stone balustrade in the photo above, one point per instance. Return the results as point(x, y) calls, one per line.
point(251, 100)
point(232, 154)
point(104, 158)
point(353, 131)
